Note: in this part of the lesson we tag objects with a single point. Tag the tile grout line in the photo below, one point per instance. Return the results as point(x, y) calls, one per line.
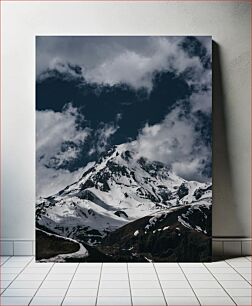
point(236, 271)
point(16, 276)
point(70, 283)
point(1, 266)
point(160, 283)
point(0, 277)
point(96, 300)
point(246, 258)
point(41, 284)
point(9, 257)
point(220, 284)
point(189, 283)
point(131, 298)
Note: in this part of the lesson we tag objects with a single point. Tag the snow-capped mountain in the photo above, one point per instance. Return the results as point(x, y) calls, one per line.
point(118, 189)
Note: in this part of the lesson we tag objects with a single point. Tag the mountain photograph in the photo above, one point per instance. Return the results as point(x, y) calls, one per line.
point(123, 148)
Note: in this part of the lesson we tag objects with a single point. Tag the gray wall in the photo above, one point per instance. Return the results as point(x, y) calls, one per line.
point(227, 22)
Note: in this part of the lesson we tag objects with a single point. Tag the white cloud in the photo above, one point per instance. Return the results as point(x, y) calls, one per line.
point(57, 140)
point(206, 41)
point(49, 181)
point(190, 169)
point(175, 142)
point(168, 141)
point(103, 135)
point(128, 63)
point(201, 101)
point(137, 69)
point(61, 66)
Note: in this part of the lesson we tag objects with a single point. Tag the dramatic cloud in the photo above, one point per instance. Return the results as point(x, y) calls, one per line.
point(58, 142)
point(137, 69)
point(175, 142)
point(130, 65)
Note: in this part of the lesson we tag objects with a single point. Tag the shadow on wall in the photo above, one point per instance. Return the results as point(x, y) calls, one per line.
point(225, 215)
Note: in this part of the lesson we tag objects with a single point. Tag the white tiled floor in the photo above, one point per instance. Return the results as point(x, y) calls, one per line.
point(24, 282)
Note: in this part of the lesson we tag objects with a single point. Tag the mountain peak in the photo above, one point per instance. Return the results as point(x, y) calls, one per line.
point(118, 189)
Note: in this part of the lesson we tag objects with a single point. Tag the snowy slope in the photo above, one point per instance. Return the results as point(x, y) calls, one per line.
point(181, 233)
point(118, 189)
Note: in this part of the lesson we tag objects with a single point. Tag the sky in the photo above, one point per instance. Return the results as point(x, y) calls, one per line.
point(96, 92)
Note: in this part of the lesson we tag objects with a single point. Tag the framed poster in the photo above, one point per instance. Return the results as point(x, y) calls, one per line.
point(123, 148)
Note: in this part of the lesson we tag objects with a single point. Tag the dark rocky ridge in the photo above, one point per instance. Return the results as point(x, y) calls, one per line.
point(166, 240)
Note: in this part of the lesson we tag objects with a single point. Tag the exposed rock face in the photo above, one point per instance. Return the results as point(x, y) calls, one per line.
point(118, 195)
point(182, 234)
